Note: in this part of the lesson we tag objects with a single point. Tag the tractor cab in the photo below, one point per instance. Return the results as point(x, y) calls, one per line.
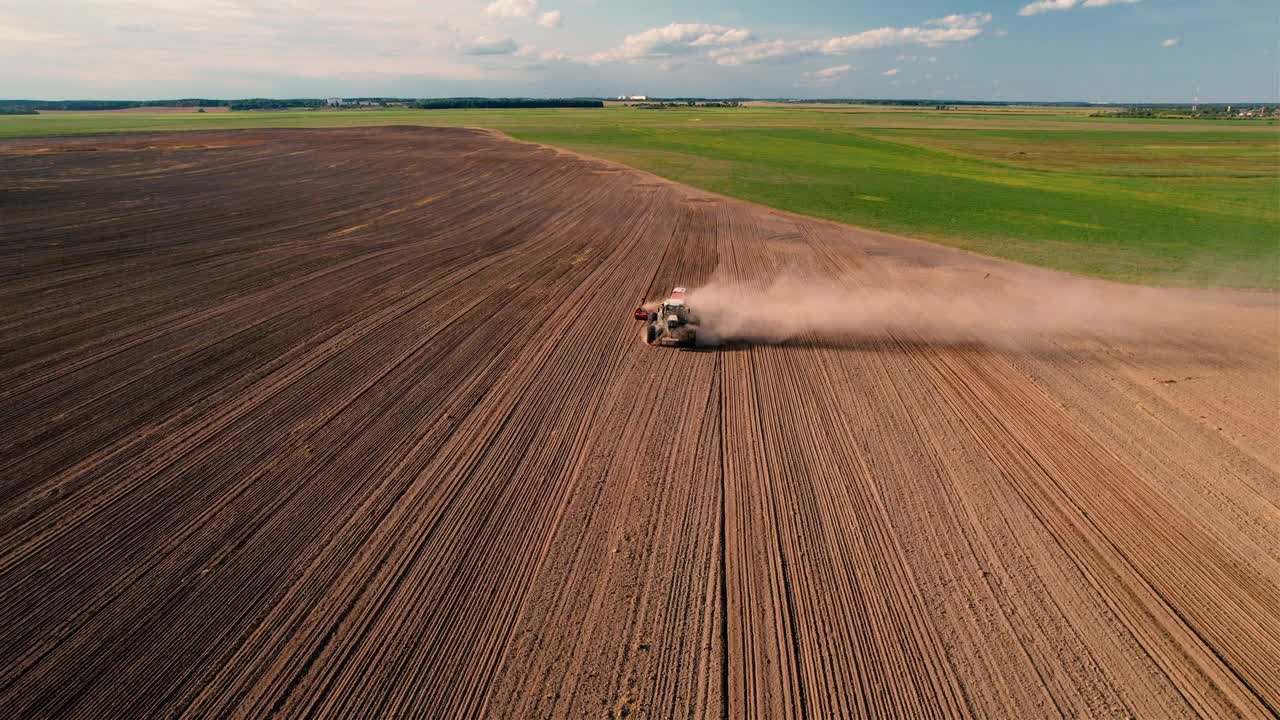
point(675, 313)
point(669, 323)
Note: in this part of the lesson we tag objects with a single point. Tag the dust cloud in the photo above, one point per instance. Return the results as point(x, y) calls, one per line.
point(931, 305)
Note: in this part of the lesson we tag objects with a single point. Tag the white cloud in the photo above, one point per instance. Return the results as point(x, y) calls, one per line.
point(549, 19)
point(13, 35)
point(523, 9)
point(485, 45)
point(1043, 6)
point(931, 33)
point(1171, 42)
point(833, 72)
point(963, 20)
point(543, 56)
point(511, 8)
point(771, 50)
point(940, 31)
point(673, 39)
point(827, 76)
point(233, 48)
point(891, 72)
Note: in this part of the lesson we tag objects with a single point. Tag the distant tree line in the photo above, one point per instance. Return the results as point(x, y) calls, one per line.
point(1135, 110)
point(29, 107)
point(1217, 111)
point(275, 104)
point(702, 100)
point(37, 105)
point(940, 104)
point(685, 104)
point(1131, 113)
point(361, 103)
point(675, 104)
point(502, 103)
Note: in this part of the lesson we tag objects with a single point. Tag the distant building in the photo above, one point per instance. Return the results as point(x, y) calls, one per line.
point(335, 102)
point(633, 97)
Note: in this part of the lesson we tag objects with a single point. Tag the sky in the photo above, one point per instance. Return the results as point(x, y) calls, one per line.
point(1046, 50)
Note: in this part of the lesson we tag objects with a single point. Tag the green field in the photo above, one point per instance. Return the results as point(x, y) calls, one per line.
point(1149, 201)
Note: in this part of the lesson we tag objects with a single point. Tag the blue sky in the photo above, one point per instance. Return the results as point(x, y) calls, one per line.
point(1095, 50)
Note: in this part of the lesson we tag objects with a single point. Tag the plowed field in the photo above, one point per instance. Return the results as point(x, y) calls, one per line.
point(357, 423)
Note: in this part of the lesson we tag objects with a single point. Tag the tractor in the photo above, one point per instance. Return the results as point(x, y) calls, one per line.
point(669, 323)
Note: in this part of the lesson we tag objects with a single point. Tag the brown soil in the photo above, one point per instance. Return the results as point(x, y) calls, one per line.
point(357, 423)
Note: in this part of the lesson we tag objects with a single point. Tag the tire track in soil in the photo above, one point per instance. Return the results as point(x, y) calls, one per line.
point(355, 423)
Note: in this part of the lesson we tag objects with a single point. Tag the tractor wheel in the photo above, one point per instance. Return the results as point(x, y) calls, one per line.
point(651, 333)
